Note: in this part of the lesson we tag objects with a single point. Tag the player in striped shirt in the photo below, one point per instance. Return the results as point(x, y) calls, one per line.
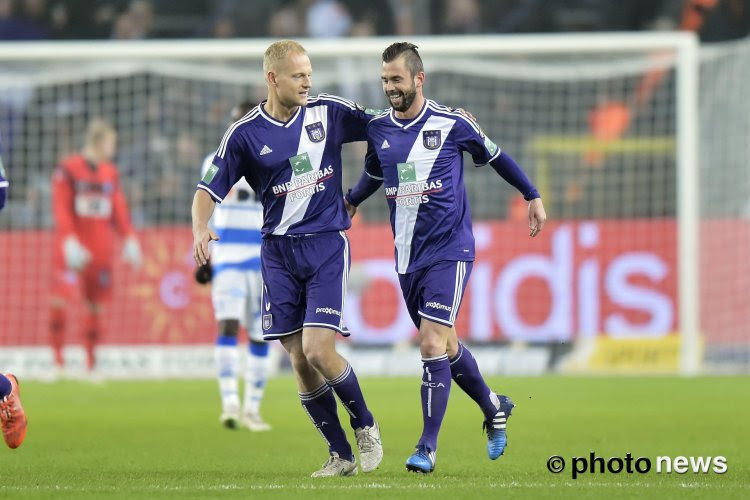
point(234, 271)
point(288, 148)
point(416, 150)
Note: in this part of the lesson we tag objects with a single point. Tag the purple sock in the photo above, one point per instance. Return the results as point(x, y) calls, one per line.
point(320, 406)
point(5, 386)
point(436, 386)
point(465, 372)
point(346, 387)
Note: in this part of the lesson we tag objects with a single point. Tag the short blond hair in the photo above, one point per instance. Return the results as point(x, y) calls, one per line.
point(278, 51)
point(97, 129)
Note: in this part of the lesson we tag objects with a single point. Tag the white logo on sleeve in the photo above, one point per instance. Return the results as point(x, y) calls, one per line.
point(265, 150)
point(385, 145)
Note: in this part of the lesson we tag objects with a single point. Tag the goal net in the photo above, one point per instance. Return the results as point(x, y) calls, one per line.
point(634, 271)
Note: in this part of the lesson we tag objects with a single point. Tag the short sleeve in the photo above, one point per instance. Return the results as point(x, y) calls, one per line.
point(226, 167)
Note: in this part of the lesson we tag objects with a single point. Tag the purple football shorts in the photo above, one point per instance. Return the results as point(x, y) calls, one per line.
point(304, 283)
point(435, 292)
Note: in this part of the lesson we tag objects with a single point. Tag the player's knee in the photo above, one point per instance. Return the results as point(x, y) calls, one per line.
point(432, 342)
point(452, 346)
point(299, 362)
point(316, 354)
point(432, 347)
point(229, 327)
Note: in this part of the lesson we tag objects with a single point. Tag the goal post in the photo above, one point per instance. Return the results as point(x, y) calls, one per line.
point(618, 164)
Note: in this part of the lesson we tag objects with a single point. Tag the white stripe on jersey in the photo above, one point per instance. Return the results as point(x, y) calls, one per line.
point(294, 209)
point(252, 114)
point(439, 108)
point(335, 98)
point(4, 184)
point(276, 122)
point(423, 159)
point(213, 195)
point(415, 120)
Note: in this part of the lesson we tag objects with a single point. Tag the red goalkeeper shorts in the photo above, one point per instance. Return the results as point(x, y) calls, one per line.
point(94, 282)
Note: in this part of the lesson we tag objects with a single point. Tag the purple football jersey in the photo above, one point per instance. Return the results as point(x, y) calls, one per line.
point(294, 166)
point(421, 164)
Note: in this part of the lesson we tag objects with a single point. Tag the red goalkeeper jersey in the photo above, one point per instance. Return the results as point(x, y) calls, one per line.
point(88, 202)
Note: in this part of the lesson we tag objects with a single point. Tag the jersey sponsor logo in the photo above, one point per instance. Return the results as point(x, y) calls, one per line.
point(413, 193)
point(306, 184)
point(301, 163)
point(491, 146)
point(267, 321)
point(438, 305)
point(327, 310)
point(92, 205)
point(431, 139)
point(210, 174)
point(315, 131)
point(385, 145)
point(406, 172)
point(266, 150)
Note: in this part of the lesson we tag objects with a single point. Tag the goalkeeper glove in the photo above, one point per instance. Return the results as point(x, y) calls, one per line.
point(131, 252)
point(204, 273)
point(76, 255)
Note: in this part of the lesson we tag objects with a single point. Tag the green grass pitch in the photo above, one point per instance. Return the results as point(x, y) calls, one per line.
point(163, 440)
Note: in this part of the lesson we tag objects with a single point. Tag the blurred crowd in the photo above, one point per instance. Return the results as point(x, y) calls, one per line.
point(168, 122)
point(145, 19)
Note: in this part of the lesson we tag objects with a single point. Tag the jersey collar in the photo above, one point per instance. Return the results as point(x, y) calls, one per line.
point(415, 120)
point(287, 124)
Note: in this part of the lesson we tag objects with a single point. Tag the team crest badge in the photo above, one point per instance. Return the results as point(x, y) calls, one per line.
point(315, 131)
point(267, 321)
point(431, 139)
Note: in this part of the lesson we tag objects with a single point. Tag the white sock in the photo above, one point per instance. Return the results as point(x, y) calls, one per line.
point(227, 361)
point(256, 375)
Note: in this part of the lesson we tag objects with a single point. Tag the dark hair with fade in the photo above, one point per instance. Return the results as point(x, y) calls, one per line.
point(409, 51)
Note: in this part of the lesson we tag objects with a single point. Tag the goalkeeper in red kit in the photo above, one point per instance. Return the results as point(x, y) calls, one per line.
point(90, 211)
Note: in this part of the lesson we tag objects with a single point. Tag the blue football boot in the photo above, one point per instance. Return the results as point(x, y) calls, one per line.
point(423, 460)
point(497, 440)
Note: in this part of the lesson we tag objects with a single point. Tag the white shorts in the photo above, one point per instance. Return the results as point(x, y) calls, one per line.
point(236, 295)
